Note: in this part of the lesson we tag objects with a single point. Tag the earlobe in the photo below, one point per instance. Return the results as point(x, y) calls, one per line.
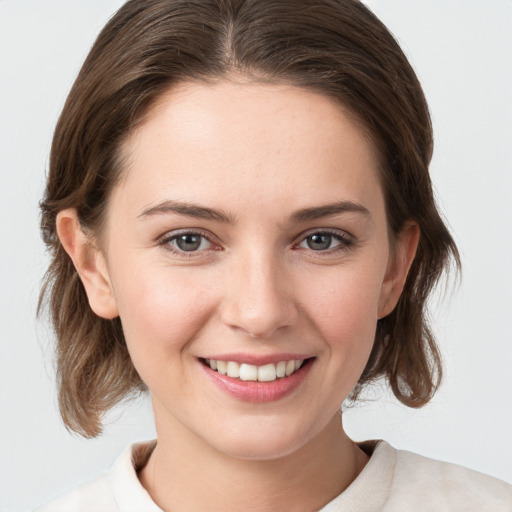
point(89, 263)
point(398, 268)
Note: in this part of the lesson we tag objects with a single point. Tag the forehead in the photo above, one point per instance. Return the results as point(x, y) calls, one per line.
point(234, 141)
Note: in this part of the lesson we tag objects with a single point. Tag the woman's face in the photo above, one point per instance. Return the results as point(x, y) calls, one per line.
point(248, 231)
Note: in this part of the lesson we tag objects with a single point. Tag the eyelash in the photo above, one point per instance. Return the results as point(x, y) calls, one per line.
point(167, 239)
point(346, 242)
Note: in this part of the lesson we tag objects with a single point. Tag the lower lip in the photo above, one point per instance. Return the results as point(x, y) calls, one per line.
point(254, 391)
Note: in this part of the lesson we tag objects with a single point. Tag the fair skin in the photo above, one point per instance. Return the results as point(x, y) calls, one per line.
point(284, 255)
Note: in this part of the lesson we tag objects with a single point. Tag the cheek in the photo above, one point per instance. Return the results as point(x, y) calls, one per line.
point(344, 307)
point(161, 310)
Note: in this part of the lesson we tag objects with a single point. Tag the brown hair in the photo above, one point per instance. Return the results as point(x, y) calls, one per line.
point(335, 47)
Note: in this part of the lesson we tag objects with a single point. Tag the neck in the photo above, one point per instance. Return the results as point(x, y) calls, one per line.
point(185, 475)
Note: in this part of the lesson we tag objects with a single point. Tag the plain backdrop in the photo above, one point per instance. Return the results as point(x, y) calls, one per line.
point(462, 51)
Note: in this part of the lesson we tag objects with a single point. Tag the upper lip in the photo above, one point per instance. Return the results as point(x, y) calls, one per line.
point(258, 359)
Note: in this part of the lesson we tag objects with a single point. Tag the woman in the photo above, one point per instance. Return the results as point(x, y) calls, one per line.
point(242, 222)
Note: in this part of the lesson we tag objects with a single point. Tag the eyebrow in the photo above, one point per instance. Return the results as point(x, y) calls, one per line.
point(202, 212)
point(318, 212)
point(190, 210)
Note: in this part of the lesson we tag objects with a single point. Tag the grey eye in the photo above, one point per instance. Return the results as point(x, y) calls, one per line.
point(189, 242)
point(319, 241)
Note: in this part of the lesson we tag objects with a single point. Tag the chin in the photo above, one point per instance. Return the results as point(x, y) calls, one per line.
point(259, 451)
point(264, 442)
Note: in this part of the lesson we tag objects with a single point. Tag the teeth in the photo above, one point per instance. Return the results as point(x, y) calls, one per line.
point(221, 367)
point(233, 369)
point(265, 373)
point(248, 372)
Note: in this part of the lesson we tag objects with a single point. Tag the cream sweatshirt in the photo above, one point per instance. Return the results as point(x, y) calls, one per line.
point(392, 481)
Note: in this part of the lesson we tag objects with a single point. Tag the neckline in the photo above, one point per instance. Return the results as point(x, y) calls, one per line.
point(368, 492)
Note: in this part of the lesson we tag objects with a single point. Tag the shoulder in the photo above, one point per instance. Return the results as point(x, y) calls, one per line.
point(117, 490)
point(96, 494)
point(419, 480)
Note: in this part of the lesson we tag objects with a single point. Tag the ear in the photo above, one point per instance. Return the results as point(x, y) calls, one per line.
point(398, 267)
point(89, 262)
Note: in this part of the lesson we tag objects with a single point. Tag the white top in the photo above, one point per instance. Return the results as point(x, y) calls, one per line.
point(392, 481)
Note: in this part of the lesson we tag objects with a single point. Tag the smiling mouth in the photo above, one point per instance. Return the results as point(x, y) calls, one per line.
point(249, 372)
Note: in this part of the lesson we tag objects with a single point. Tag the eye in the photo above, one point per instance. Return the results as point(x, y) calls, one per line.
point(186, 242)
point(190, 242)
point(325, 241)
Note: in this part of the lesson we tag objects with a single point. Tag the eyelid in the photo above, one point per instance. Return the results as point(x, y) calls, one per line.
point(165, 239)
point(347, 241)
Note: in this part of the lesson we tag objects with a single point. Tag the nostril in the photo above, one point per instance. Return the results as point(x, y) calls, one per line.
point(256, 300)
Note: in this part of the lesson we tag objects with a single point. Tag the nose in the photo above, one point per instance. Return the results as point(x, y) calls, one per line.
point(258, 298)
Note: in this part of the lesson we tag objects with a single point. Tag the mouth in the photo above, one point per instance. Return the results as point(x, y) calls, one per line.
point(268, 381)
point(252, 373)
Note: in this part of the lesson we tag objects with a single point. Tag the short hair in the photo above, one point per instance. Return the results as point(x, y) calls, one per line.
point(337, 48)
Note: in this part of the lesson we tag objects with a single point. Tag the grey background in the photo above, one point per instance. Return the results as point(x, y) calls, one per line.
point(462, 51)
